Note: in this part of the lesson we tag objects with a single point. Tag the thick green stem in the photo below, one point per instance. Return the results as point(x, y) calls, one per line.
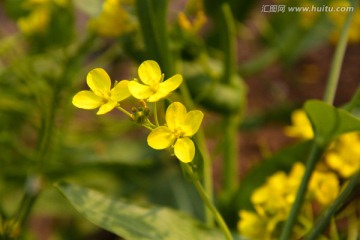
point(228, 43)
point(337, 61)
point(230, 163)
point(231, 121)
point(315, 154)
point(325, 218)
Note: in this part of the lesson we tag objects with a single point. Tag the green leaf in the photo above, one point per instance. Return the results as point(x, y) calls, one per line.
point(132, 221)
point(329, 122)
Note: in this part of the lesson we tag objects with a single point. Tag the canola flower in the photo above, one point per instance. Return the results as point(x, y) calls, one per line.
point(38, 20)
point(101, 96)
point(180, 127)
point(192, 26)
point(152, 86)
point(273, 200)
point(344, 155)
point(301, 126)
point(112, 21)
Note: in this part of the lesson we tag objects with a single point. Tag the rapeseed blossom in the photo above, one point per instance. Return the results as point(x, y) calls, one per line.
point(113, 20)
point(273, 200)
point(301, 126)
point(152, 86)
point(101, 96)
point(39, 17)
point(344, 154)
point(180, 127)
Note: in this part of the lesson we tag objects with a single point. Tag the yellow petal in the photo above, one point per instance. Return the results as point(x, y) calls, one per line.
point(172, 83)
point(87, 100)
point(175, 115)
point(139, 91)
point(120, 91)
point(99, 81)
point(184, 149)
point(161, 138)
point(149, 72)
point(107, 107)
point(192, 122)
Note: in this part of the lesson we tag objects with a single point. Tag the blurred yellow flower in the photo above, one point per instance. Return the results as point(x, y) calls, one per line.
point(324, 186)
point(194, 26)
point(273, 200)
point(253, 226)
point(301, 126)
point(153, 87)
point(36, 22)
point(180, 127)
point(344, 154)
point(113, 20)
point(101, 94)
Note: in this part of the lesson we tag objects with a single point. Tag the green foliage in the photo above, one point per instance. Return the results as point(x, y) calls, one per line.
point(329, 122)
point(134, 221)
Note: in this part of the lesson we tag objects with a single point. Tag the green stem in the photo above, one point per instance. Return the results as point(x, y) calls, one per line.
point(156, 115)
point(325, 218)
point(228, 43)
point(315, 154)
point(230, 163)
point(336, 64)
point(131, 116)
point(205, 198)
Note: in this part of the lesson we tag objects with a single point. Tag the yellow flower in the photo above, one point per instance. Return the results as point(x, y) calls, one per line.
point(181, 126)
point(36, 22)
point(154, 87)
point(196, 25)
point(113, 20)
point(253, 226)
point(101, 94)
point(301, 126)
point(324, 186)
point(344, 156)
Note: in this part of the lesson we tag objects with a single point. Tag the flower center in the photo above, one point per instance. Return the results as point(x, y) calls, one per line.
point(179, 133)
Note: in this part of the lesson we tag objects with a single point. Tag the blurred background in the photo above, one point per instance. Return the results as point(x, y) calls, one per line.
point(47, 47)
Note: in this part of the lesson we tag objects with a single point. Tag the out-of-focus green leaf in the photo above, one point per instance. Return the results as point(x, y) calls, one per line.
point(132, 221)
point(329, 122)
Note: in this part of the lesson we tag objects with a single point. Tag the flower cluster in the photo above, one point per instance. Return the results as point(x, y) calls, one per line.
point(273, 200)
point(343, 155)
point(151, 87)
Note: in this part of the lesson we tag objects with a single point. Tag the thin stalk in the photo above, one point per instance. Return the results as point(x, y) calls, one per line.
point(218, 218)
point(325, 218)
point(336, 64)
point(156, 115)
point(131, 116)
point(315, 154)
point(353, 102)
